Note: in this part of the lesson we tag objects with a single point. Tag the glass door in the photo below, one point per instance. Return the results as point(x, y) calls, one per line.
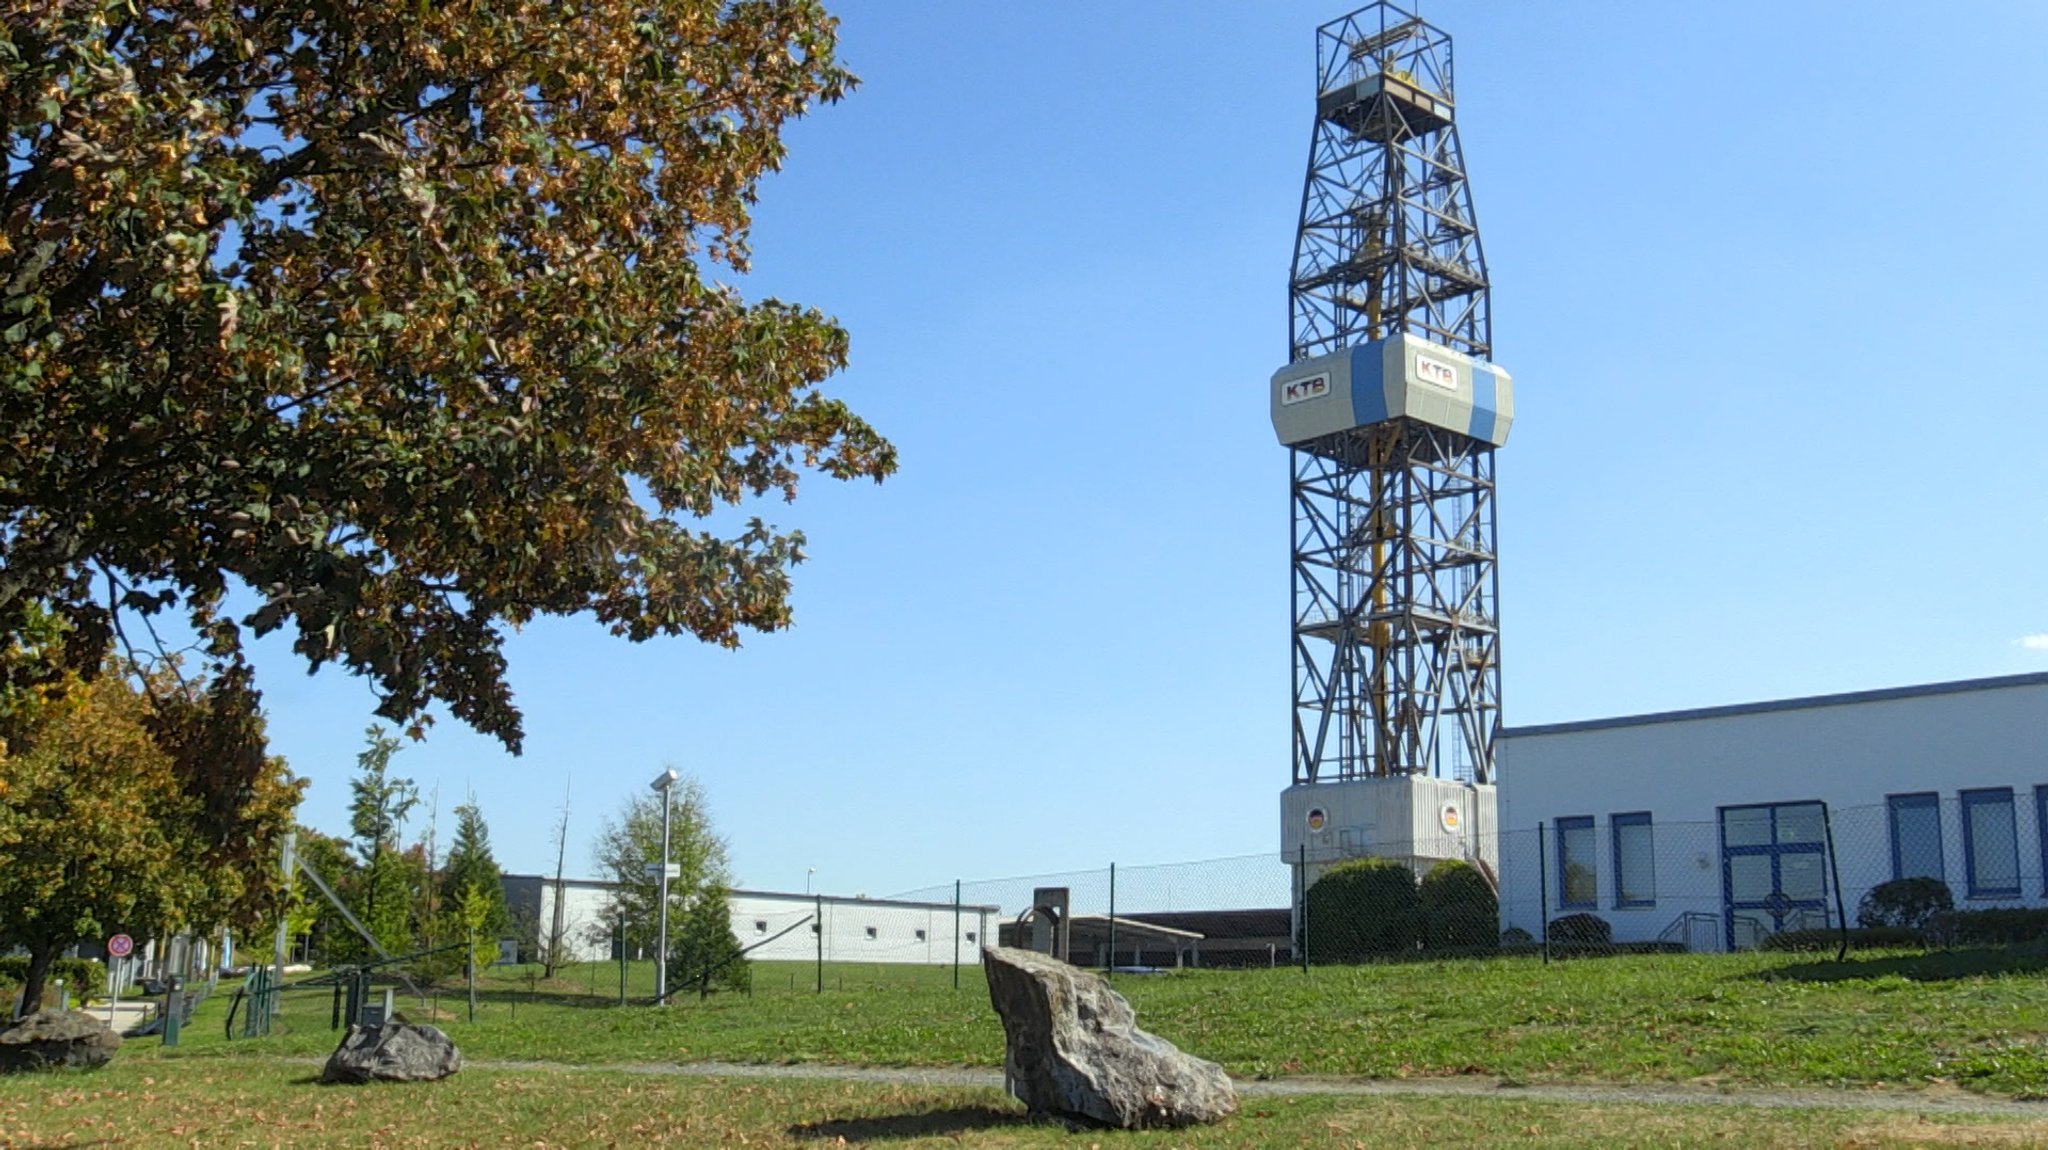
point(1773, 870)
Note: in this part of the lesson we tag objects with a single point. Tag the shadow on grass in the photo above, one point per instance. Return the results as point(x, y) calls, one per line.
point(928, 1124)
point(1933, 966)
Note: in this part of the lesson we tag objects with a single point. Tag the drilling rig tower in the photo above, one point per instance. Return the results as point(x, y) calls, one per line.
point(1391, 408)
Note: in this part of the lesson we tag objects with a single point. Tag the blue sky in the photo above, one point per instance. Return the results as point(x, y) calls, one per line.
point(1769, 279)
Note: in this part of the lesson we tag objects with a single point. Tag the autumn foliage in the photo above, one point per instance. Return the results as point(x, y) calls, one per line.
point(113, 819)
point(405, 319)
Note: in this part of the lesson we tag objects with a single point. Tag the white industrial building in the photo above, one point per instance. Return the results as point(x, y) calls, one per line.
point(780, 925)
point(860, 929)
point(1711, 827)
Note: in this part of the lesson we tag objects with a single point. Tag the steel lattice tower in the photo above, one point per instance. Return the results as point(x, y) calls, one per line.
point(1392, 409)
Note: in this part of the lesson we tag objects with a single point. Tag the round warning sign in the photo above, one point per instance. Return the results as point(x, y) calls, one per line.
point(1317, 819)
point(120, 946)
point(1452, 816)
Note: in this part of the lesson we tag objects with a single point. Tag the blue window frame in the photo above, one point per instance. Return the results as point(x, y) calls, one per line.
point(1578, 876)
point(1635, 859)
point(2041, 831)
point(1991, 847)
point(1916, 835)
point(1773, 869)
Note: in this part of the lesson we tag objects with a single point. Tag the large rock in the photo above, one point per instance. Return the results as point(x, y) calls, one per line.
point(394, 1052)
point(1075, 1050)
point(50, 1038)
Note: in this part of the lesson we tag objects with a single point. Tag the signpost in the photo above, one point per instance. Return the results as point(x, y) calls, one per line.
point(119, 948)
point(664, 785)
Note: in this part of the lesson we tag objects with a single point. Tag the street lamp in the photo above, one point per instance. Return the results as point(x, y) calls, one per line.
point(808, 872)
point(664, 785)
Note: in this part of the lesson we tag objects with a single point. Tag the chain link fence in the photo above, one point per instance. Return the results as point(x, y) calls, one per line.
point(1963, 870)
point(1794, 874)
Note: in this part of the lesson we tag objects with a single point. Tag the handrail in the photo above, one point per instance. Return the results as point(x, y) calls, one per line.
point(1678, 931)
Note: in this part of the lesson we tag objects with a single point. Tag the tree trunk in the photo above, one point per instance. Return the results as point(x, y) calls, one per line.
point(40, 955)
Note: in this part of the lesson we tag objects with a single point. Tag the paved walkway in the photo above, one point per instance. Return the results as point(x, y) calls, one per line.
point(1895, 1101)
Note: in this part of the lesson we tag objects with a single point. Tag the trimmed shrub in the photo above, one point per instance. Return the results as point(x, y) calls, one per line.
point(1908, 903)
point(1581, 930)
point(1362, 909)
point(1459, 911)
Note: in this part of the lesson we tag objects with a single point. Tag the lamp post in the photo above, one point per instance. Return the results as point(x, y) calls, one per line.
point(808, 872)
point(663, 784)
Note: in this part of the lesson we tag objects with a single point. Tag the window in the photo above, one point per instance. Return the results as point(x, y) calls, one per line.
point(1635, 860)
point(2041, 829)
point(871, 932)
point(920, 936)
point(760, 926)
point(1991, 848)
point(1578, 881)
point(1916, 835)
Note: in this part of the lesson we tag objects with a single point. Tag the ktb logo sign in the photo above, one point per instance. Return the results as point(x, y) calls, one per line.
point(1303, 390)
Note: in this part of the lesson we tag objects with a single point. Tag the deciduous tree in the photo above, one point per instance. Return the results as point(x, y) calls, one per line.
point(700, 925)
point(104, 827)
point(406, 319)
point(385, 880)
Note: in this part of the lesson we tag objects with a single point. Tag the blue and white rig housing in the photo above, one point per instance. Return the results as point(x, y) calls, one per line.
point(1402, 375)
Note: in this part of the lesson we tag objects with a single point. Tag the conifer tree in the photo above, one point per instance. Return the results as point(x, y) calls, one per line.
point(471, 884)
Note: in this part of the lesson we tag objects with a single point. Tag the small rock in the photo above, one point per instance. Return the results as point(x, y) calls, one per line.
point(1075, 1050)
point(52, 1038)
point(394, 1052)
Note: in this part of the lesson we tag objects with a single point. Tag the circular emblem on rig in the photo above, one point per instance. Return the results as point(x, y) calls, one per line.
point(1316, 818)
point(1452, 816)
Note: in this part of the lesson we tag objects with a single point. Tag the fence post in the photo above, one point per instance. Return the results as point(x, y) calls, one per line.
point(283, 943)
point(1543, 889)
point(818, 917)
point(1827, 822)
point(956, 934)
point(622, 959)
point(470, 965)
point(1109, 968)
point(1301, 900)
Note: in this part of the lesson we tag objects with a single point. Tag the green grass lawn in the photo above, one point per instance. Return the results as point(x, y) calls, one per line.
point(240, 1102)
point(1975, 1019)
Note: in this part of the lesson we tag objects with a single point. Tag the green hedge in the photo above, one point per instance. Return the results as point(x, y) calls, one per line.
point(1994, 926)
point(1860, 938)
point(86, 977)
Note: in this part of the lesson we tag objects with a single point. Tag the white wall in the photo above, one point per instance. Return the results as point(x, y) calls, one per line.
point(860, 930)
point(1850, 752)
point(856, 929)
point(586, 935)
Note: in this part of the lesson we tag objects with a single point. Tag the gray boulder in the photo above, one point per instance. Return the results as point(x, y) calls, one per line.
point(52, 1038)
point(394, 1052)
point(1075, 1050)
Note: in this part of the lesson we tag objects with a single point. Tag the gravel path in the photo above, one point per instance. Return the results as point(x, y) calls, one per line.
point(1897, 1101)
